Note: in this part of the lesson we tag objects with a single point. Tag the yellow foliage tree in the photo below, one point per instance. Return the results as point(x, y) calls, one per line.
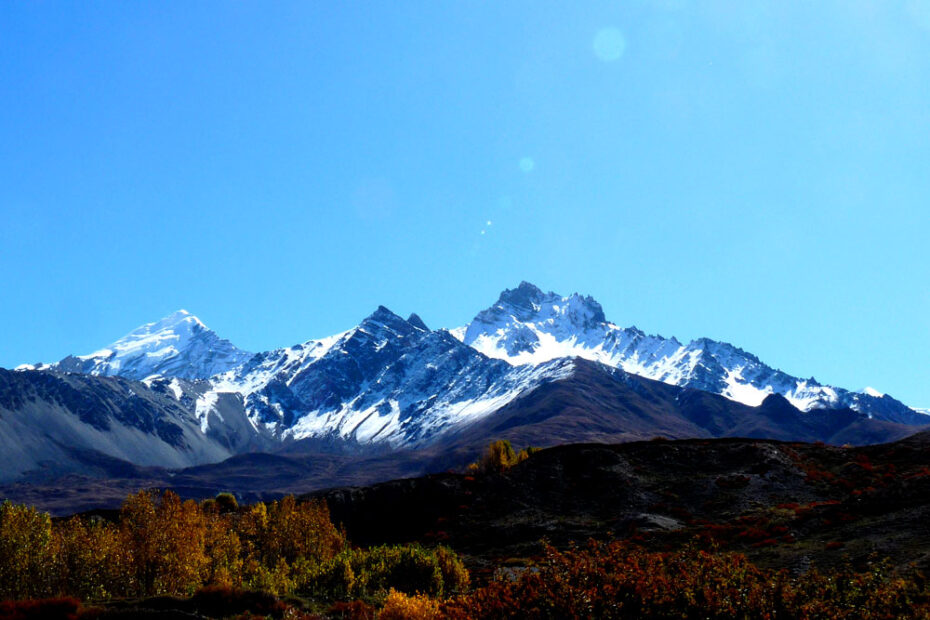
point(165, 538)
point(25, 552)
point(91, 562)
point(499, 457)
point(163, 546)
point(223, 550)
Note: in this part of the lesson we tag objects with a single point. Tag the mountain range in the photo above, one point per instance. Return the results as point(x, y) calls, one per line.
point(536, 367)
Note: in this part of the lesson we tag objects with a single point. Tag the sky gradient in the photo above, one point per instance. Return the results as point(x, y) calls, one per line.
point(751, 172)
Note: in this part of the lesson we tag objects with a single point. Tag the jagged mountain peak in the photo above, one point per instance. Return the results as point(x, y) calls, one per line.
point(415, 320)
point(524, 296)
point(178, 316)
point(528, 300)
point(528, 326)
point(178, 322)
point(381, 313)
point(386, 323)
point(529, 304)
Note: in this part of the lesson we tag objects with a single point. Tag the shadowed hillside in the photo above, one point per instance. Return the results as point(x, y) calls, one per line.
point(785, 504)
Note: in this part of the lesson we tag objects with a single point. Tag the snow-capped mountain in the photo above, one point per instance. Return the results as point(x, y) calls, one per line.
point(179, 345)
point(173, 393)
point(388, 380)
point(394, 382)
point(529, 326)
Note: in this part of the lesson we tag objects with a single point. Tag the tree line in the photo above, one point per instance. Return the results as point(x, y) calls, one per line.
point(161, 545)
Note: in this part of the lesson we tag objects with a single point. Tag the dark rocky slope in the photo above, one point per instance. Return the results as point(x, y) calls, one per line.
point(785, 504)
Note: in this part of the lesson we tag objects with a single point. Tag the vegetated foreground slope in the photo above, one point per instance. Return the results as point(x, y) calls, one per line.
point(160, 557)
point(789, 505)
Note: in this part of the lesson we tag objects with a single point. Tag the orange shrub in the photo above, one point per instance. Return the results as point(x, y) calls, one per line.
point(400, 606)
point(619, 580)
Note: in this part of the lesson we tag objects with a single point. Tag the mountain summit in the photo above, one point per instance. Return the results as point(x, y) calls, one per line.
point(178, 345)
point(528, 326)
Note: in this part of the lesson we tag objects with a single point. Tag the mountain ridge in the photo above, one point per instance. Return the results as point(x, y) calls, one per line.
point(524, 326)
point(391, 383)
point(527, 325)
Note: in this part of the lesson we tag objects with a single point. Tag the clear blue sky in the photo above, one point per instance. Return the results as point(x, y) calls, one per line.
point(752, 172)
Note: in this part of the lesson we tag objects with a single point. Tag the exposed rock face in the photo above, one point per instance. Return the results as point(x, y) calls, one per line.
point(51, 423)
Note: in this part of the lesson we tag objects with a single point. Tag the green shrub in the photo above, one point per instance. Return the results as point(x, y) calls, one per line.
point(410, 569)
point(333, 580)
point(455, 577)
point(226, 502)
point(371, 573)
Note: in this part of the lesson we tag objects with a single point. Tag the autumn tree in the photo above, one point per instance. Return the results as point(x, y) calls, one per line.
point(25, 552)
point(91, 562)
point(222, 547)
point(165, 538)
point(499, 457)
point(290, 530)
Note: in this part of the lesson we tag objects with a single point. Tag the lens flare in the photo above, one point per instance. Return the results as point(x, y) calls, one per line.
point(609, 44)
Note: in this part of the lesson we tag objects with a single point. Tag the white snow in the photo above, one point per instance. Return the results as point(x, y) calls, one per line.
point(739, 390)
point(205, 405)
point(39, 366)
point(177, 345)
point(528, 326)
point(458, 333)
point(175, 387)
point(446, 411)
point(432, 387)
point(281, 363)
